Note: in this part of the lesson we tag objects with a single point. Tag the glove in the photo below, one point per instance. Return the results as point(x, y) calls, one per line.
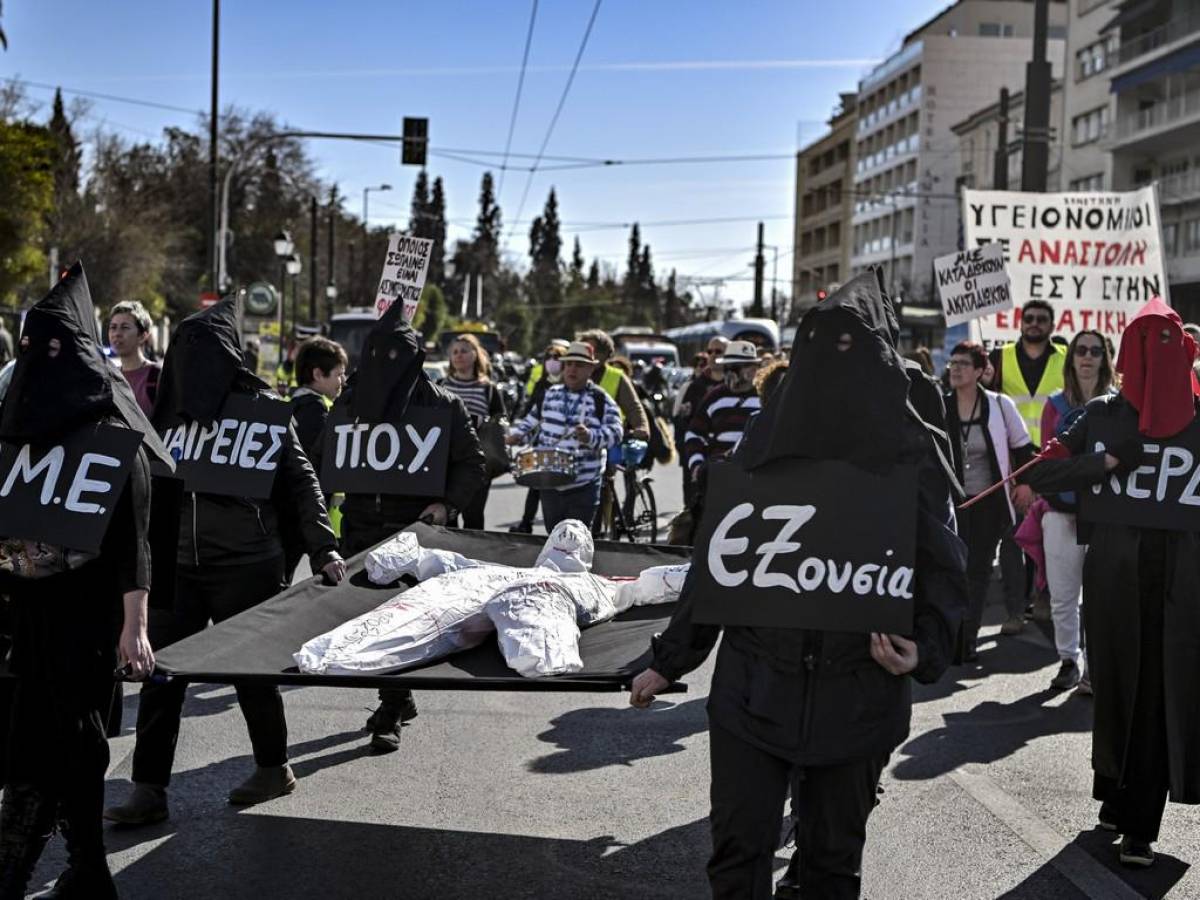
point(1130, 452)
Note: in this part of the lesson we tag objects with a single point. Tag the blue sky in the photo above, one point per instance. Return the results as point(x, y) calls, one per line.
point(659, 78)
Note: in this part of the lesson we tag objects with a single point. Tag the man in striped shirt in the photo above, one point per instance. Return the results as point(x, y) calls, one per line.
point(720, 418)
point(575, 415)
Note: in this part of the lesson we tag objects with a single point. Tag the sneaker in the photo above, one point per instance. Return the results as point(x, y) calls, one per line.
point(1068, 676)
point(1136, 853)
point(91, 879)
point(1014, 625)
point(145, 806)
point(267, 783)
point(1084, 688)
point(408, 709)
point(384, 727)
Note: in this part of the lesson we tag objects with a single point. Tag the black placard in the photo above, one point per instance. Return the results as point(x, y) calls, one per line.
point(1163, 493)
point(407, 458)
point(65, 494)
point(807, 544)
point(238, 454)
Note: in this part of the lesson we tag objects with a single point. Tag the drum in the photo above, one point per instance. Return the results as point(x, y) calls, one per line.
point(544, 467)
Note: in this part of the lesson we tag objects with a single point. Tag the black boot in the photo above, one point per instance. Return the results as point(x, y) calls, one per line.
point(26, 823)
point(87, 876)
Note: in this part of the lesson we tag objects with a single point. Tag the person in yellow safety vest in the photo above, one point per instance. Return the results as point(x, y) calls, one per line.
point(535, 373)
point(617, 385)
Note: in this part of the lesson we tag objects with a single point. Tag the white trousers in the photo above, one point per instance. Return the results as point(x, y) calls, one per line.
point(1064, 574)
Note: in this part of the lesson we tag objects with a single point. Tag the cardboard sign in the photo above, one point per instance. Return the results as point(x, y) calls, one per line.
point(1096, 257)
point(1163, 493)
point(807, 544)
point(404, 273)
point(408, 458)
point(972, 283)
point(238, 454)
point(65, 494)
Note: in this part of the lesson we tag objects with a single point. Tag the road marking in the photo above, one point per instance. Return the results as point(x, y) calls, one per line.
point(1074, 863)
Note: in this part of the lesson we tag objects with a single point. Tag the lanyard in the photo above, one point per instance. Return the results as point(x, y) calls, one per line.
point(964, 429)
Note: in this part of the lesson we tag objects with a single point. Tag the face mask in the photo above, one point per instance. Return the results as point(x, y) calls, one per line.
point(554, 368)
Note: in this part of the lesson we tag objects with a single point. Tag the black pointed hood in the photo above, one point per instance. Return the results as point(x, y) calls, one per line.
point(392, 364)
point(846, 392)
point(51, 395)
point(203, 363)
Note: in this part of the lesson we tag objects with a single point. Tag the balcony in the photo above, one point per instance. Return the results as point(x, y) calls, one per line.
point(1179, 188)
point(1157, 38)
point(1182, 109)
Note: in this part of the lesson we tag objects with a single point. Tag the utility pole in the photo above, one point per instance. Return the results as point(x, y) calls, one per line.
point(1000, 159)
point(1035, 142)
point(214, 196)
point(774, 286)
point(332, 266)
point(312, 255)
point(756, 309)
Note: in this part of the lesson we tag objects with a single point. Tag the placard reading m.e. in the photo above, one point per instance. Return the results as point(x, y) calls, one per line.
point(815, 544)
point(238, 454)
point(1162, 493)
point(65, 493)
point(408, 458)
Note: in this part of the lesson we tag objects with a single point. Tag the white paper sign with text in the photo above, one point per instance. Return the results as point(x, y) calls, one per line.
point(404, 273)
point(972, 283)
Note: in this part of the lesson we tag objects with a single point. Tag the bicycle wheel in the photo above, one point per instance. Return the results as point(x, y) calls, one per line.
point(640, 511)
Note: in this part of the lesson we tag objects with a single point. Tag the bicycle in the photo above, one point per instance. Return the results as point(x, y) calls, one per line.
point(635, 518)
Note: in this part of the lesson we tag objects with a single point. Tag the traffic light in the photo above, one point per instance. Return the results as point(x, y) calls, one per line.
point(416, 139)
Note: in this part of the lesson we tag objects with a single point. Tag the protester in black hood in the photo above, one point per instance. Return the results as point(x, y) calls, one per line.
point(67, 608)
point(390, 379)
point(229, 556)
point(833, 704)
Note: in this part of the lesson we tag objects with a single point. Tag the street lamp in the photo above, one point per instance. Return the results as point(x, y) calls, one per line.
point(283, 250)
point(293, 266)
point(366, 193)
point(283, 244)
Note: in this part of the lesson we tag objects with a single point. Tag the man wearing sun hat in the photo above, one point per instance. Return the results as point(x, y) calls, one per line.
point(720, 418)
point(575, 415)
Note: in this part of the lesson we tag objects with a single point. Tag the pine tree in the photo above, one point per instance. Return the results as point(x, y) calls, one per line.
point(437, 215)
point(630, 286)
point(544, 284)
point(670, 303)
point(65, 171)
point(593, 278)
point(647, 300)
point(577, 262)
point(419, 224)
point(486, 239)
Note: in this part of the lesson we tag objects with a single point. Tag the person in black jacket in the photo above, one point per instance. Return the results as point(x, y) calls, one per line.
point(321, 373)
point(229, 556)
point(832, 704)
point(389, 380)
point(67, 617)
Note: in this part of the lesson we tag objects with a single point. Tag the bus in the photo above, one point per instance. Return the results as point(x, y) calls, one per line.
point(692, 339)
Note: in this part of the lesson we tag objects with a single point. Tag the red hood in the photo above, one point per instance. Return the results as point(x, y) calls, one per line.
point(1155, 363)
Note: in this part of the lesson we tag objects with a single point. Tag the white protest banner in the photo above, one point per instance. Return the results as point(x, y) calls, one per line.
point(972, 284)
point(1095, 257)
point(404, 273)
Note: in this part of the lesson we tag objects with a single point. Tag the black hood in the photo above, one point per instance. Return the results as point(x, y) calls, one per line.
point(847, 404)
point(203, 363)
point(50, 396)
point(391, 366)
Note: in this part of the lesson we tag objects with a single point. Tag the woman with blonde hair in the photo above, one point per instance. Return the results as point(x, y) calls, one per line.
point(470, 380)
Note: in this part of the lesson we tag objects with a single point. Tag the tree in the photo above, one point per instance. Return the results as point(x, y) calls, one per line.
point(27, 185)
point(437, 215)
point(432, 313)
point(630, 285)
point(646, 310)
point(419, 224)
point(544, 282)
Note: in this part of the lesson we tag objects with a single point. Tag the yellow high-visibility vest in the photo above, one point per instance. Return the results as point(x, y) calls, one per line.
point(1029, 405)
point(610, 383)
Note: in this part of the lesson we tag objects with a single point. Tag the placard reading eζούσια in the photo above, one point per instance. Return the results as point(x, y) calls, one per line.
point(407, 458)
point(65, 493)
point(238, 454)
point(818, 544)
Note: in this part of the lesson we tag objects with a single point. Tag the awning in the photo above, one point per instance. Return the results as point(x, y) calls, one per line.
point(258, 644)
point(1183, 60)
point(1131, 10)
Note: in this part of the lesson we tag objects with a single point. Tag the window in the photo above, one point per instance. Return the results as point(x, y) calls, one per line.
point(1054, 33)
point(989, 29)
point(1191, 235)
point(1170, 234)
point(1089, 127)
point(1088, 183)
point(1095, 58)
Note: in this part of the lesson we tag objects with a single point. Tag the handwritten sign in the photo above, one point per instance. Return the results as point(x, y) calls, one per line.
point(1164, 492)
point(65, 494)
point(238, 454)
point(972, 283)
point(404, 273)
point(408, 458)
point(807, 544)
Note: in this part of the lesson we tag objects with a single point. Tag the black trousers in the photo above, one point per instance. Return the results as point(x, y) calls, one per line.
point(533, 499)
point(472, 515)
point(748, 790)
point(64, 654)
point(1137, 801)
point(214, 593)
point(981, 527)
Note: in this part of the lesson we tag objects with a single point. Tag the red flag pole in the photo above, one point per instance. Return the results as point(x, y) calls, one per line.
point(1054, 450)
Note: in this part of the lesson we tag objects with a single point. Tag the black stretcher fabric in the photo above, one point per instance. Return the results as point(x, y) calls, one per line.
point(257, 645)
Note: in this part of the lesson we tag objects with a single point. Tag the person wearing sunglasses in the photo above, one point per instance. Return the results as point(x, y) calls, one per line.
point(1088, 374)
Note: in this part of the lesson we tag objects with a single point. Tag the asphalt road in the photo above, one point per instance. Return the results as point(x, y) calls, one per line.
point(504, 795)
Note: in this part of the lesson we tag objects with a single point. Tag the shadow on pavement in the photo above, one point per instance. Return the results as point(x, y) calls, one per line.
point(260, 856)
point(1153, 883)
point(601, 736)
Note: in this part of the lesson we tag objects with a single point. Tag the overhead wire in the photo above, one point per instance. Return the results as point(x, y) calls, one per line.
point(512, 121)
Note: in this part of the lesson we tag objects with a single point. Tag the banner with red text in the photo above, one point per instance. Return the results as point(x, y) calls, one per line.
point(1095, 257)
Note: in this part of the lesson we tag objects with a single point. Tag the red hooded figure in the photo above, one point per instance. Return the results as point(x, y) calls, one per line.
point(1155, 363)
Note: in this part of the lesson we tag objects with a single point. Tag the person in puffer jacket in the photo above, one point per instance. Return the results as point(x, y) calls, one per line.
point(229, 556)
point(829, 707)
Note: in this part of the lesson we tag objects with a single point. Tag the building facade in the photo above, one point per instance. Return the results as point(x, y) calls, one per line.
point(1087, 106)
point(979, 136)
point(907, 157)
point(824, 204)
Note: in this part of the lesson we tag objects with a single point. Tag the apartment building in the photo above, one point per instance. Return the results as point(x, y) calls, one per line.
point(1087, 105)
point(824, 201)
point(979, 136)
point(907, 158)
point(1154, 82)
